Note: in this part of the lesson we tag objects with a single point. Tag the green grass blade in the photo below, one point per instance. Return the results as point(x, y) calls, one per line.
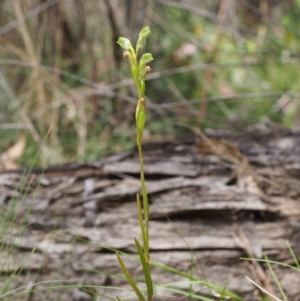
point(273, 262)
point(191, 275)
point(187, 294)
point(130, 279)
point(293, 255)
point(146, 269)
point(276, 279)
point(215, 287)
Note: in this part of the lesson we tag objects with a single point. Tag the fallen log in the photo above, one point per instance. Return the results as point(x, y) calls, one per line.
point(212, 202)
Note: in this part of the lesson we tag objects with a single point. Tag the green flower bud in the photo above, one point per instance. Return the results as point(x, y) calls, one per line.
point(135, 76)
point(140, 115)
point(146, 58)
point(124, 43)
point(129, 51)
point(142, 38)
point(130, 57)
point(145, 31)
point(142, 88)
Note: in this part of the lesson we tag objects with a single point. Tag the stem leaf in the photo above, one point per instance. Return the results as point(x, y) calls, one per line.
point(146, 269)
point(130, 279)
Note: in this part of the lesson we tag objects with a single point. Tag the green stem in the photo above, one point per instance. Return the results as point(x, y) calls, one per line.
point(145, 203)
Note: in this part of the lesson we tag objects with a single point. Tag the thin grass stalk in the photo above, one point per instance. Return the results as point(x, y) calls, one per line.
point(276, 279)
point(293, 255)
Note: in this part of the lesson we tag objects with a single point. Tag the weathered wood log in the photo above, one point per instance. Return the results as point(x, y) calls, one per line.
point(205, 205)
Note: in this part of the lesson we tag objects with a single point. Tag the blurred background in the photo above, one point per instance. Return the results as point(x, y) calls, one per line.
point(66, 92)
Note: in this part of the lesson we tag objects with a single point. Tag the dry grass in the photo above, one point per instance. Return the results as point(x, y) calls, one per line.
point(61, 71)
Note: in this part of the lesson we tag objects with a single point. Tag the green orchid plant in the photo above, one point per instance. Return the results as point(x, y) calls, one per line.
point(139, 70)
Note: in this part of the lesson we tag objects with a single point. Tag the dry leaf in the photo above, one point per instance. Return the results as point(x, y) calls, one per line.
point(246, 179)
point(10, 156)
